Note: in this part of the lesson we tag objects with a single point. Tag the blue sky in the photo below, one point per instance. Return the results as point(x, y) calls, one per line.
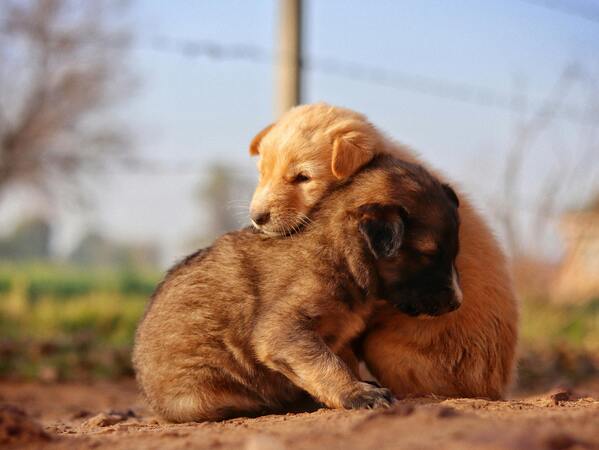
point(204, 110)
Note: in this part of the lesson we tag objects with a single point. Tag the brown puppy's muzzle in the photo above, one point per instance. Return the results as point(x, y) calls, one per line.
point(449, 302)
point(425, 296)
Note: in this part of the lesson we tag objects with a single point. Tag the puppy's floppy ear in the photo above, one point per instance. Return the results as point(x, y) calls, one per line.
point(255, 144)
point(351, 150)
point(383, 228)
point(451, 194)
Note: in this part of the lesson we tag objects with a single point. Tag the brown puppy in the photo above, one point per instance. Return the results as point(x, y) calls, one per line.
point(468, 353)
point(248, 325)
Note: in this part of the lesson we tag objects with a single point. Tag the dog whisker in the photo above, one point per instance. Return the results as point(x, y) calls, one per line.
point(239, 206)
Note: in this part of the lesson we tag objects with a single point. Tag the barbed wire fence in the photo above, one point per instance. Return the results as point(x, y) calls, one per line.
point(480, 96)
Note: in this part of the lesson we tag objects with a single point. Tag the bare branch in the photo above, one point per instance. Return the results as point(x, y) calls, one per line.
point(526, 135)
point(74, 57)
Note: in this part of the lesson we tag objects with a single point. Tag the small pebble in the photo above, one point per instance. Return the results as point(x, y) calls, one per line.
point(263, 442)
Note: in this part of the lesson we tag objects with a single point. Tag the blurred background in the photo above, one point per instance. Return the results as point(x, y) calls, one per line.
point(124, 133)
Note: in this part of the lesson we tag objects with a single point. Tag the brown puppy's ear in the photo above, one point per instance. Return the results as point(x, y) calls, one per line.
point(255, 144)
point(452, 195)
point(383, 228)
point(351, 150)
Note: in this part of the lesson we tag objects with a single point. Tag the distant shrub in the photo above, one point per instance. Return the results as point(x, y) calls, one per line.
point(5, 284)
point(58, 288)
point(131, 283)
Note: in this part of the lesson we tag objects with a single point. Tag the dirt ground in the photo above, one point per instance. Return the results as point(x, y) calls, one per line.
point(113, 416)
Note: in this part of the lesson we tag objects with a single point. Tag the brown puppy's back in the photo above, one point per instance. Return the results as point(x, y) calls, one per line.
point(201, 316)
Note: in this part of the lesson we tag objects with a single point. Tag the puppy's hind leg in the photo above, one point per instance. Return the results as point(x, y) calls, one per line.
point(211, 397)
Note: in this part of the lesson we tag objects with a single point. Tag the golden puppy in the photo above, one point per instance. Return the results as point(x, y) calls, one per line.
point(470, 352)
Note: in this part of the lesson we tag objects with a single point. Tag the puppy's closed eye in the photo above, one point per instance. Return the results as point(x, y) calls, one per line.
point(382, 227)
point(300, 178)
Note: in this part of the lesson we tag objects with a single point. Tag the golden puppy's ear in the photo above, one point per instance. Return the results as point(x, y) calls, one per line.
point(255, 144)
point(351, 150)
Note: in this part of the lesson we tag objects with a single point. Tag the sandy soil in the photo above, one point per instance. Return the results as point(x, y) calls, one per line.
point(112, 416)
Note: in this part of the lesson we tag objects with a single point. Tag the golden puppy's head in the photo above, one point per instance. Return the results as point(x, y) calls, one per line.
point(309, 150)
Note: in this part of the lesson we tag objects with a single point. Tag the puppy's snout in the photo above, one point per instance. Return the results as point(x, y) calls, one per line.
point(456, 288)
point(453, 304)
point(260, 218)
point(453, 294)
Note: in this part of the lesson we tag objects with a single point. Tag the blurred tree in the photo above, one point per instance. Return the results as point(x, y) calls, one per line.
point(62, 63)
point(224, 198)
point(29, 241)
point(593, 205)
point(95, 249)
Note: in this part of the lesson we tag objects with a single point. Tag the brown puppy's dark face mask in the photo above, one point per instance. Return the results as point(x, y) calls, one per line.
point(414, 281)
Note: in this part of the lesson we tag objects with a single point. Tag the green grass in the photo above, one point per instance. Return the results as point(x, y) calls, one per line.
point(558, 343)
point(545, 324)
point(64, 322)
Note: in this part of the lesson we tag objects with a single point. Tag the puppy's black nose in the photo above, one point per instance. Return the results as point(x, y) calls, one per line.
point(261, 218)
point(449, 306)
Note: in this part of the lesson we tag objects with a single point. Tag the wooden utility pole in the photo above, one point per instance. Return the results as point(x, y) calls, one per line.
point(289, 83)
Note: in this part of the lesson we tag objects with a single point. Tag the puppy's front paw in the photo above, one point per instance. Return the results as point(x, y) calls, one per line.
point(365, 395)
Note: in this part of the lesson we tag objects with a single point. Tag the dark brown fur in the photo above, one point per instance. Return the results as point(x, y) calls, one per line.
point(250, 324)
